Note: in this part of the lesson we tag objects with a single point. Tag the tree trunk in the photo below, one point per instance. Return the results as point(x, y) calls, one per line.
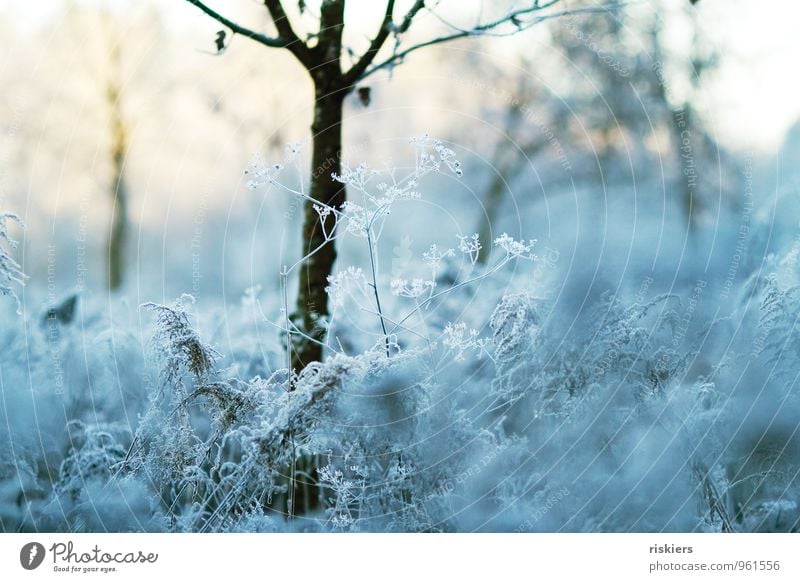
point(686, 144)
point(115, 250)
point(312, 300)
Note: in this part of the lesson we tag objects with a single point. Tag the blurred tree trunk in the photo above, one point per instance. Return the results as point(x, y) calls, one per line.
point(512, 157)
point(492, 202)
point(118, 230)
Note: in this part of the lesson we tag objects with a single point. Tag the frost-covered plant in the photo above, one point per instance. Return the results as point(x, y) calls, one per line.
point(629, 348)
point(761, 465)
point(373, 195)
point(462, 340)
point(378, 192)
point(189, 445)
point(470, 246)
point(492, 409)
point(167, 447)
point(777, 322)
point(515, 325)
point(321, 386)
point(95, 451)
point(178, 345)
point(638, 341)
point(10, 270)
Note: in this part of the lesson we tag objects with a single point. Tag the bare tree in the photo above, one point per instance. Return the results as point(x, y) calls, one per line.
point(322, 56)
point(114, 49)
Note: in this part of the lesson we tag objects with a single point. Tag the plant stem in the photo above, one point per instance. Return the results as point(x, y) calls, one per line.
point(375, 287)
point(430, 299)
point(285, 302)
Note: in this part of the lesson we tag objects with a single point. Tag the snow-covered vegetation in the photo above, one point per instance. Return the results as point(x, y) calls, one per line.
point(466, 401)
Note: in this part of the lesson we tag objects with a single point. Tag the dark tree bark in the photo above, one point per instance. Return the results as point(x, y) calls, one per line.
point(330, 90)
point(312, 300)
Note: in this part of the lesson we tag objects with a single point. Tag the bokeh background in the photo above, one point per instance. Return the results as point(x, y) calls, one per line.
point(602, 86)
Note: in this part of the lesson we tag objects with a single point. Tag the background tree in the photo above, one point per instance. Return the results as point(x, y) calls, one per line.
point(323, 54)
point(103, 57)
point(626, 83)
point(117, 235)
point(111, 46)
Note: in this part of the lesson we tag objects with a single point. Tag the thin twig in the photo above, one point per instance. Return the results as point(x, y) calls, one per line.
point(488, 29)
point(373, 268)
point(422, 304)
point(238, 29)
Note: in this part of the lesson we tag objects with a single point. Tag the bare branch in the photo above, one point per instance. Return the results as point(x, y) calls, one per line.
point(513, 17)
point(388, 26)
point(238, 29)
point(491, 28)
point(285, 30)
point(383, 33)
point(406, 24)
